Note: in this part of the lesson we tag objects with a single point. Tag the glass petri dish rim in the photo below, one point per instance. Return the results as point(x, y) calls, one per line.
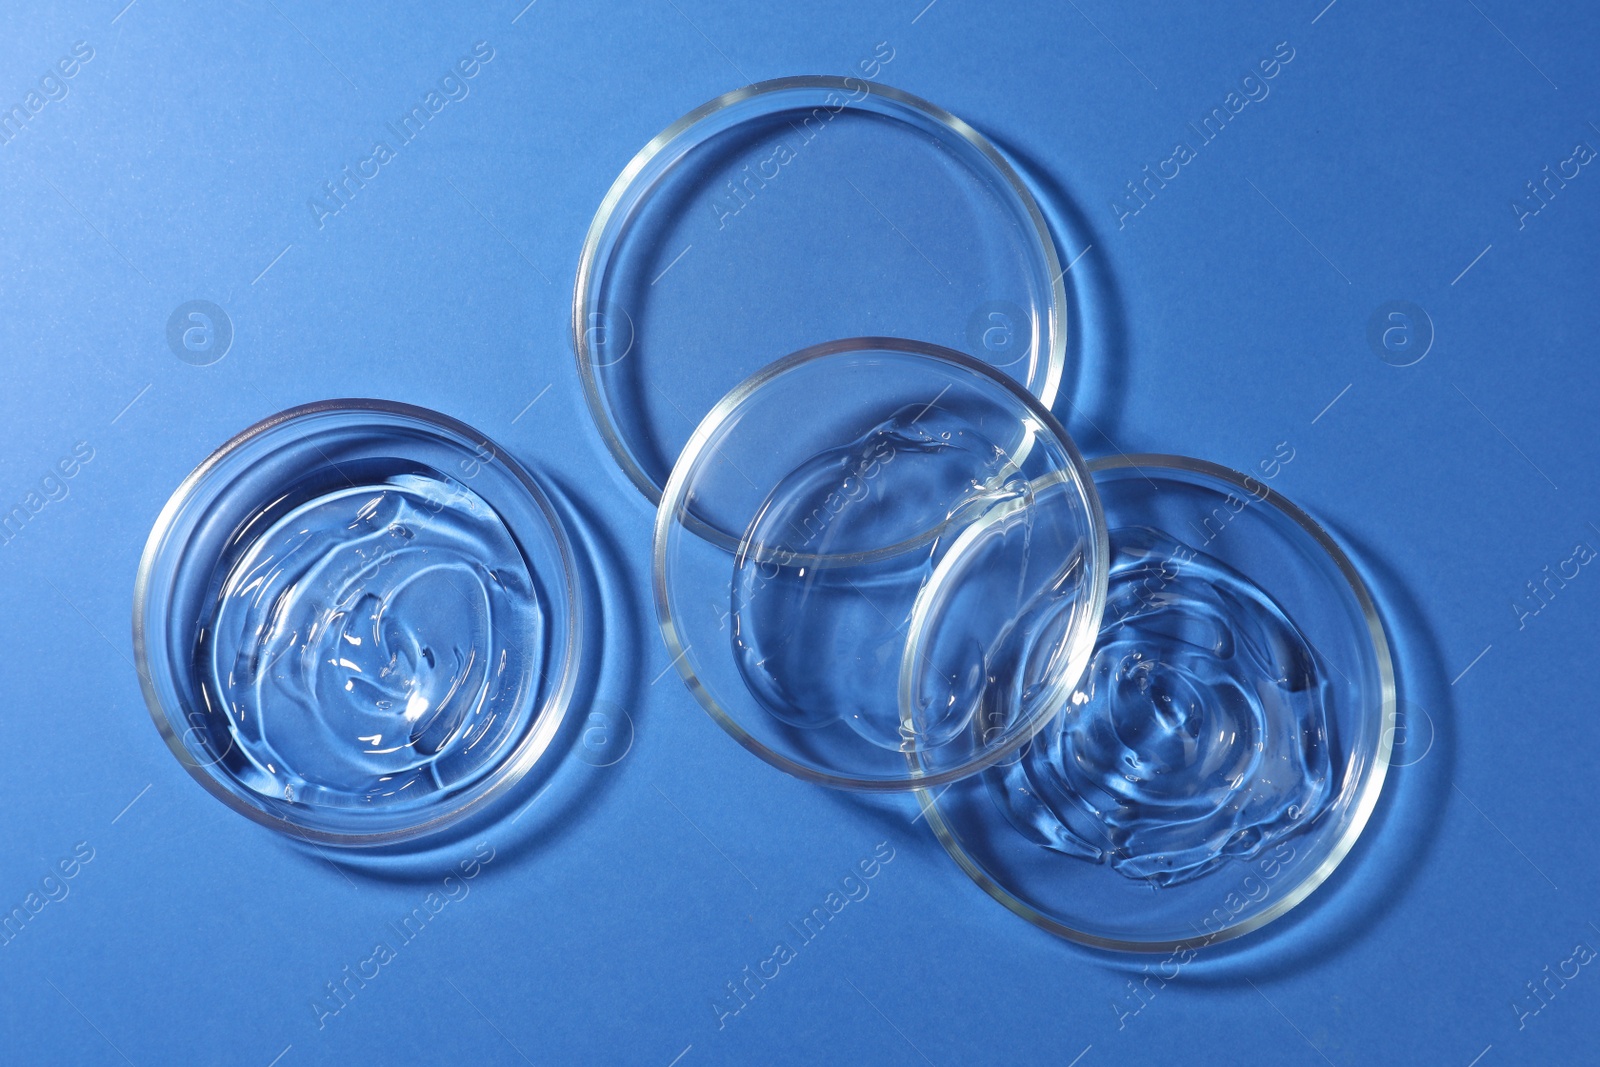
point(516, 764)
point(1361, 808)
point(1098, 555)
point(681, 137)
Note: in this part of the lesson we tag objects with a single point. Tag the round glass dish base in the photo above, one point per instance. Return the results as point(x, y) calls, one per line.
point(1228, 739)
point(789, 214)
point(879, 564)
point(357, 621)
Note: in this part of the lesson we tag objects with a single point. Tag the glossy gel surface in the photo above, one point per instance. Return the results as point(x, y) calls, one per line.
point(1198, 734)
point(374, 642)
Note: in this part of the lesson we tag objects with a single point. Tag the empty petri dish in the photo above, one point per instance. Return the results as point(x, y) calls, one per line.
point(1226, 744)
point(792, 213)
point(357, 621)
point(861, 550)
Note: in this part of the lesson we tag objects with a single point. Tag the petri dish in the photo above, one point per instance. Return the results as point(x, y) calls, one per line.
point(859, 550)
point(1226, 743)
point(357, 621)
point(792, 213)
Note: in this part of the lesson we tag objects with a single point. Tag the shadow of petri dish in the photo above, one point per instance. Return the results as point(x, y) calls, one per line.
point(1226, 745)
point(358, 622)
point(1095, 376)
point(792, 213)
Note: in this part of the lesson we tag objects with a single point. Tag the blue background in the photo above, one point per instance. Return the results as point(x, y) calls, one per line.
point(1223, 318)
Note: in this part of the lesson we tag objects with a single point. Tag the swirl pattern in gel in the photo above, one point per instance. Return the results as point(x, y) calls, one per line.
point(375, 643)
point(1198, 734)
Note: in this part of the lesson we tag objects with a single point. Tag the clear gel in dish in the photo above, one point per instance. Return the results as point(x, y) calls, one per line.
point(374, 642)
point(1198, 734)
point(357, 622)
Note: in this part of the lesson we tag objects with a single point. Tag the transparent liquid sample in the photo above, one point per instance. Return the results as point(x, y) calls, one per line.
point(374, 644)
point(1199, 733)
point(829, 571)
